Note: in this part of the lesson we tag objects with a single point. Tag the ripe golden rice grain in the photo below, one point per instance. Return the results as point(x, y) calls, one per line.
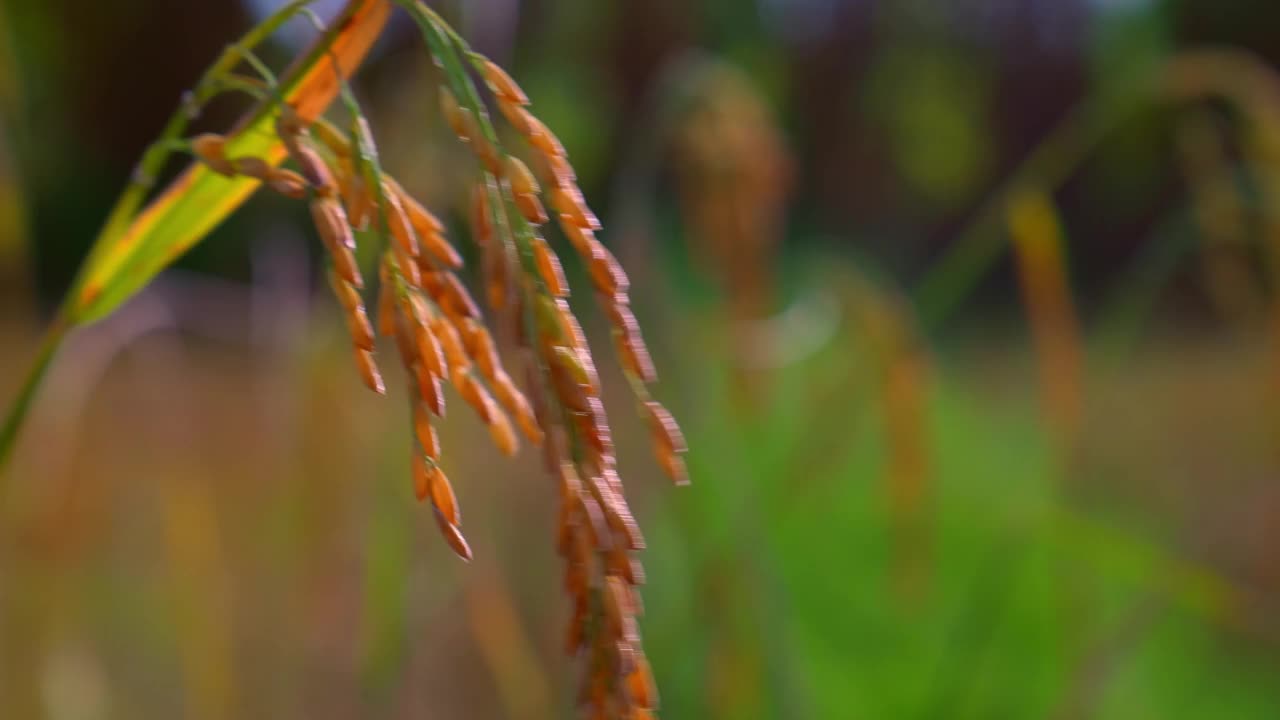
point(479, 344)
point(641, 686)
point(453, 536)
point(634, 356)
point(429, 351)
point(542, 138)
point(369, 371)
point(358, 325)
point(515, 114)
point(425, 432)
point(549, 268)
point(287, 183)
point(405, 343)
point(486, 152)
point(454, 297)
point(531, 208)
point(442, 496)
point(441, 250)
point(568, 202)
point(210, 149)
point(421, 476)
point(664, 427)
point(502, 84)
point(582, 239)
point(517, 405)
point(348, 297)
point(424, 221)
point(314, 169)
point(398, 220)
point(331, 222)
point(453, 114)
point(475, 395)
point(454, 351)
point(430, 389)
point(254, 167)
point(607, 274)
point(359, 202)
point(333, 139)
point(407, 265)
point(520, 177)
point(344, 263)
point(571, 361)
point(502, 433)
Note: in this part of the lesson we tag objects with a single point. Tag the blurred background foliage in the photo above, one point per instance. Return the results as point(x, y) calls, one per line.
point(936, 473)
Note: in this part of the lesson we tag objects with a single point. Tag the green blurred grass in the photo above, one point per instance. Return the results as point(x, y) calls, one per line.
point(1030, 604)
point(778, 582)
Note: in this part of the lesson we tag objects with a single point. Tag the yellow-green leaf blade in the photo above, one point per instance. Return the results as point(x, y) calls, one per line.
point(131, 251)
point(198, 200)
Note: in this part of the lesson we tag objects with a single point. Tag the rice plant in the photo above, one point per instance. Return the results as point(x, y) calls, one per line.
point(443, 337)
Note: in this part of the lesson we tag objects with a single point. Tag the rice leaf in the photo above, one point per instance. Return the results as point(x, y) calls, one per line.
point(134, 247)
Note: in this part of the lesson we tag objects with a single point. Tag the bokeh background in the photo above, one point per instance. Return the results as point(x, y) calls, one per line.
point(967, 309)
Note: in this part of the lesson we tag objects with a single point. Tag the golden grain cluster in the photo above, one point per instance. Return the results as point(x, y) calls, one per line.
point(444, 339)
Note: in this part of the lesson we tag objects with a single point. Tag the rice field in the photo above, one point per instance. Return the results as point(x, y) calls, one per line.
point(771, 382)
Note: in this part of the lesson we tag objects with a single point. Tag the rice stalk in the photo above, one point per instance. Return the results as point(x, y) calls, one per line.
point(1036, 233)
point(195, 556)
point(506, 647)
point(513, 197)
point(136, 243)
point(903, 378)
point(1219, 211)
point(1236, 76)
point(1253, 90)
point(442, 337)
point(733, 176)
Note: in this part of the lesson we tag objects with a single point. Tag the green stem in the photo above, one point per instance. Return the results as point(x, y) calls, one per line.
point(22, 403)
point(218, 78)
point(979, 245)
point(1171, 241)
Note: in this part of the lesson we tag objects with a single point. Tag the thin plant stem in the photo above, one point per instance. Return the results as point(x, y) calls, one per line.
point(22, 403)
point(218, 78)
point(979, 244)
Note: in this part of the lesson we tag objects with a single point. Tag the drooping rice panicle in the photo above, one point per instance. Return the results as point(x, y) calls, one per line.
point(598, 535)
point(444, 339)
